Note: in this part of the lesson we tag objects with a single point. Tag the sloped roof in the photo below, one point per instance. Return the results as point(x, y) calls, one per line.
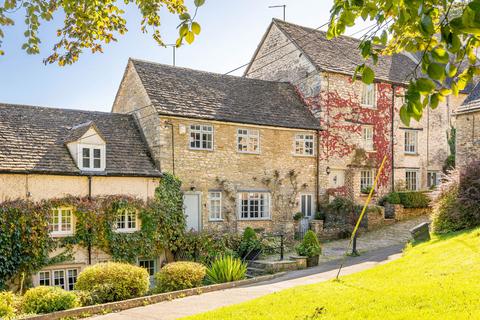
point(76, 132)
point(472, 102)
point(342, 54)
point(32, 139)
point(204, 95)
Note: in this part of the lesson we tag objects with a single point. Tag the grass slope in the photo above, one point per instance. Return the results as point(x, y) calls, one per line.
point(435, 280)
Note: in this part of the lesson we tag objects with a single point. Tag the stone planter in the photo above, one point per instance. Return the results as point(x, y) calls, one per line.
point(301, 261)
point(312, 261)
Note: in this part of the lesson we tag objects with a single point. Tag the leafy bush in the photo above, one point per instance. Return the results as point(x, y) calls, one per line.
point(48, 299)
point(310, 245)
point(7, 309)
point(226, 269)
point(113, 281)
point(205, 247)
point(85, 298)
point(409, 199)
point(320, 215)
point(298, 216)
point(179, 275)
point(456, 205)
point(249, 242)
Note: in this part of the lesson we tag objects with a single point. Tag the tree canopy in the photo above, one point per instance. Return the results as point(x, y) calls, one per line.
point(443, 34)
point(91, 24)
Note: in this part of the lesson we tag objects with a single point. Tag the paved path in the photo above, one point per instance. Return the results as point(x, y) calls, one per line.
point(209, 301)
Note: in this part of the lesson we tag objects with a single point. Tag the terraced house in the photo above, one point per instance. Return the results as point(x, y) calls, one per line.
point(245, 149)
point(361, 122)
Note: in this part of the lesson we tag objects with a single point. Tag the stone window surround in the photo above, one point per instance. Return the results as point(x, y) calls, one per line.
point(312, 204)
point(367, 137)
point(58, 213)
point(364, 95)
point(413, 176)
point(202, 131)
point(410, 142)
point(92, 148)
point(250, 192)
point(218, 198)
point(251, 134)
point(300, 137)
point(366, 179)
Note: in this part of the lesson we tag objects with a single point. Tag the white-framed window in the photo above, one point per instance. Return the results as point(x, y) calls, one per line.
point(149, 264)
point(366, 179)
point(367, 137)
point(368, 95)
point(126, 221)
point(92, 157)
point(433, 179)
point(215, 205)
point(201, 137)
point(304, 144)
point(254, 205)
point(63, 278)
point(411, 137)
point(307, 205)
point(248, 141)
point(411, 180)
point(61, 222)
point(44, 278)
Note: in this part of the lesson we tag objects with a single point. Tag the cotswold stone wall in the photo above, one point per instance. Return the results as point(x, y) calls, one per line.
point(335, 100)
point(468, 139)
point(226, 170)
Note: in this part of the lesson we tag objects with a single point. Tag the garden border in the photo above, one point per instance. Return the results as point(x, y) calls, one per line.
point(147, 300)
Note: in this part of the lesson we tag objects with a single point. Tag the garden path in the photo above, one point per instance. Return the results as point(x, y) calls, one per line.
point(377, 247)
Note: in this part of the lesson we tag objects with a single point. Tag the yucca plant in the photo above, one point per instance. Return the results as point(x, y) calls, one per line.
point(226, 269)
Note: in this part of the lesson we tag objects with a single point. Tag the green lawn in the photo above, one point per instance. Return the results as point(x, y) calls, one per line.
point(435, 280)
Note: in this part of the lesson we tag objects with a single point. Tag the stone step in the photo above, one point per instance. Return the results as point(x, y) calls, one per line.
point(256, 265)
point(253, 272)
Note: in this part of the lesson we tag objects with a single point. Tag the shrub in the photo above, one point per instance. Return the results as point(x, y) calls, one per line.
point(113, 281)
point(298, 216)
point(392, 198)
point(456, 202)
point(310, 245)
point(226, 269)
point(179, 275)
point(7, 301)
point(320, 215)
point(249, 243)
point(48, 299)
point(414, 199)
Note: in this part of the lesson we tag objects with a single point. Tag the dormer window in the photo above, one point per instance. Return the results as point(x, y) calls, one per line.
point(87, 147)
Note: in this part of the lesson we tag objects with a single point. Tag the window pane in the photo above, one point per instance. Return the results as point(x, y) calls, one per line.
point(71, 278)
point(86, 157)
point(149, 265)
point(59, 278)
point(201, 137)
point(44, 278)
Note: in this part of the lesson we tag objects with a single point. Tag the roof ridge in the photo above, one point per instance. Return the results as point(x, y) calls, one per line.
point(59, 108)
point(205, 72)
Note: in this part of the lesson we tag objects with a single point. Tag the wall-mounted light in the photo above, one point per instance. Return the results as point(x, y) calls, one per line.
point(192, 188)
point(327, 170)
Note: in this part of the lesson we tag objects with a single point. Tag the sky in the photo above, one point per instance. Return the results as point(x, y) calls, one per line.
point(231, 31)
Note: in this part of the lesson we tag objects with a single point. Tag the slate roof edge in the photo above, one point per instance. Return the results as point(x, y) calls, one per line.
point(81, 173)
point(405, 83)
point(240, 122)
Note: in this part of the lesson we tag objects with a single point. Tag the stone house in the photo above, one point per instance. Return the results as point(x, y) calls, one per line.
point(245, 149)
point(468, 134)
point(48, 153)
point(361, 122)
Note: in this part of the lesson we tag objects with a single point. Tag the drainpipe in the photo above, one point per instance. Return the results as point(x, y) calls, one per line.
point(89, 245)
point(392, 138)
point(168, 123)
point(317, 183)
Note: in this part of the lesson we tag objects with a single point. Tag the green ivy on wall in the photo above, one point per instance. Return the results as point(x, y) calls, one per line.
point(26, 245)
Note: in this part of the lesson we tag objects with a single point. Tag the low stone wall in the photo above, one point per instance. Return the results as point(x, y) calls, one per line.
point(402, 213)
point(143, 301)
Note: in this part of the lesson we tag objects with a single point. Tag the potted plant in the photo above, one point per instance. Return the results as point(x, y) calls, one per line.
point(310, 248)
point(250, 246)
point(298, 216)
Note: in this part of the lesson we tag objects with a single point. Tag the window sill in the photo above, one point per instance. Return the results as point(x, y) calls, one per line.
point(411, 153)
point(304, 155)
point(248, 153)
point(255, 219)
point(368, 106)
point(215, 220)
point(125, 230)
point(61, 235)
point(194, 149)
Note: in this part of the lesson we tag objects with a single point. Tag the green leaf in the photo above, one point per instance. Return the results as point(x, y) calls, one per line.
point(404, 116)
point(183, 30)
point(185, 16)
point(454, 89)
point(434, 99)
point(190, 37)
point(440, 55)
point(425, 85)
point(368, 75)
point(451, 70)
point(196, 28)
point(199, 3)
point(426, 25)
point(436, 71)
